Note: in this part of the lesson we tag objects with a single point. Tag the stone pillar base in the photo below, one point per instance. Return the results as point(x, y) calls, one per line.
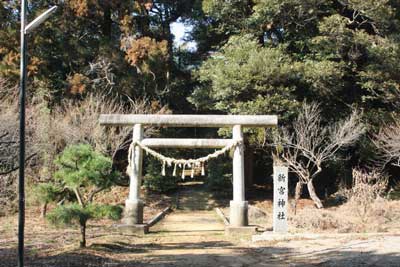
point(136, 229)
point(133, 213)
point(240, 230)
point(238, 214)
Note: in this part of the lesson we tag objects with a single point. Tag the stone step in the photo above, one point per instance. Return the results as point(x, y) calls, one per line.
point(193, 206)
point(193, 202)
point(194, 209)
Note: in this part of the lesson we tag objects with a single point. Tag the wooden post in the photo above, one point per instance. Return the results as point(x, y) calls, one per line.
point(238, 206)
point(133, 213)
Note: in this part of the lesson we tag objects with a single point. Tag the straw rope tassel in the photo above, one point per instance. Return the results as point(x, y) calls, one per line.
point(163, 169)
point(174, 172)
point(192, 172)
point(177, 162)
point(183, 171)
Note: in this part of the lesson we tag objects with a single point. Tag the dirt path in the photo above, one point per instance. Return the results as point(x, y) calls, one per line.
point(183, 222)
point(194, 213)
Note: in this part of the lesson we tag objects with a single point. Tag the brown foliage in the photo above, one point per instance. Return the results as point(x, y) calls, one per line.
point(77, 83)
point(142, 5)
point(143, 51)
point(10, 61)
point(126, 24)
point(80, 7)
point(84, 8)
point(33, 67)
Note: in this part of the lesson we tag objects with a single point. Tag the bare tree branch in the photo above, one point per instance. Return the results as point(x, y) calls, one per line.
point(17, 167)
point(388, 143)
point(310, 143)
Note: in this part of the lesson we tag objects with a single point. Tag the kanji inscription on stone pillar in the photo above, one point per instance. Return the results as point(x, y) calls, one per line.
point(280, 199)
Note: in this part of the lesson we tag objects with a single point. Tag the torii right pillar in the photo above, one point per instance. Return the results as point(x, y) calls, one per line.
point(238, 214)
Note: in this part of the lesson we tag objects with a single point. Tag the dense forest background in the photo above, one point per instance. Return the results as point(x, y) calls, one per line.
point(251, 57)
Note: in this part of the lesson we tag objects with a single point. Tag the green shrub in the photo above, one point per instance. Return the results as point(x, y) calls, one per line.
point(47, 192)
point(68, 214)
point(219, 175)
point(84, 172)
point(155, 181)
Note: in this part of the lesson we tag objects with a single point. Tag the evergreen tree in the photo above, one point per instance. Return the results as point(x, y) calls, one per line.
point(340, 53)
point(46, 193)
point(85, 173)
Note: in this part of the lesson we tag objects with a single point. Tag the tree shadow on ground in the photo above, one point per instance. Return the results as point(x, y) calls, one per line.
point(124, 247)
point(185, 231)
point(214, 253)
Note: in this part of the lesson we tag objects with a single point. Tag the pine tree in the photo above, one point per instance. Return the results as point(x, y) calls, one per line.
point(84, 172)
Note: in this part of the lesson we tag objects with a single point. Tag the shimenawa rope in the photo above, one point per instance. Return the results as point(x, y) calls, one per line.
point(181, 163)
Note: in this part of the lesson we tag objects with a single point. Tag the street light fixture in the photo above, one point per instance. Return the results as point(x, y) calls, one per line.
point(25, 30)
point(41, 18)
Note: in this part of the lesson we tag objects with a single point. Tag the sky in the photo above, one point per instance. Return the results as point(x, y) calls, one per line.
point(180, 31)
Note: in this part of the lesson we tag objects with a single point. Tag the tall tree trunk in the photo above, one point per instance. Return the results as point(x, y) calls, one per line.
point(107, 21)
point(82, 243)
point(44, 210)
point(313, 195)
point(143, 23)
point(297, 194)
point(249, 166)
point(170, 39)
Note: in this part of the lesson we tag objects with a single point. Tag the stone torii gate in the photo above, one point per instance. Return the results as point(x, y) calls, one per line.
point(133, 214)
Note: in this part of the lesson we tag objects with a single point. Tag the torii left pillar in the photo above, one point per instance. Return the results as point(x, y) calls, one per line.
point(133, 213)
point(238, 206)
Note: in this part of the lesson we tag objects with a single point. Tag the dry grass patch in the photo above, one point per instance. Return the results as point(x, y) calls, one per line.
point(382, 216)
point(366, 209)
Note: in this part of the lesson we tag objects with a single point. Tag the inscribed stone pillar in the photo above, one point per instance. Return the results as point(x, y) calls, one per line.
point(280, 199)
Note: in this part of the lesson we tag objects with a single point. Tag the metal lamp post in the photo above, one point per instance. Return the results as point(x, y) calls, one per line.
point(25, 30)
